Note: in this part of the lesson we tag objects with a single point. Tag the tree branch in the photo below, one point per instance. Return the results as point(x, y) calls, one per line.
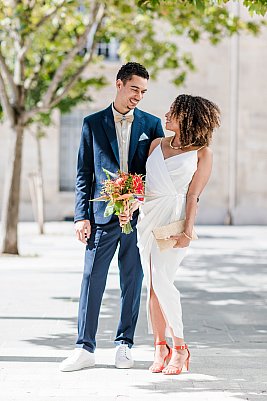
point(49, 15)
point(80, 70)
point(9, 77)
point(22, 48)
point(41, 22)
point(8, 110)
point(56, 100)
point(43, 109)
point(70, 84)
point(90, 31)
point(28, 82)
point(32, 4)
point(97, 15)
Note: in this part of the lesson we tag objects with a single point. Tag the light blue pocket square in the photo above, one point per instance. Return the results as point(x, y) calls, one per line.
point(143, 137)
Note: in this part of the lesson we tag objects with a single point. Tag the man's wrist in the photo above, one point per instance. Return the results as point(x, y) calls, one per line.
point(80, 219)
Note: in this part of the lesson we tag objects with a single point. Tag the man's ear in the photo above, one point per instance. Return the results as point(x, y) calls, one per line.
point(119, 84)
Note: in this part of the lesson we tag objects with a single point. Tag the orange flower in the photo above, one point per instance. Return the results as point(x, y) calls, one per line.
point(120, 190)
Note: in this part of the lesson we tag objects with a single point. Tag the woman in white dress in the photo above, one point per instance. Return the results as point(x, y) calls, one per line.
point(177, 170)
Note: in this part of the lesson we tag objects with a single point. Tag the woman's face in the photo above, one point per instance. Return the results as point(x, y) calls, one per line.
point(172, 122)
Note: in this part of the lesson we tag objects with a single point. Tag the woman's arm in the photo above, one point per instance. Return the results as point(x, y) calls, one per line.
point(196, 187)
point(198, 183)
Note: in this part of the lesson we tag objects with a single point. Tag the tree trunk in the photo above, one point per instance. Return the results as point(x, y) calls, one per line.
point(10, 207)
point(40, 188)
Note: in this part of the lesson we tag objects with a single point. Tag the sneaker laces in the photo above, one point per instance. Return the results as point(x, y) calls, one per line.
point(123, 351)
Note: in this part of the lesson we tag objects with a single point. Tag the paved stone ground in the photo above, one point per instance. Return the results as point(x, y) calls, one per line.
point(223, 286)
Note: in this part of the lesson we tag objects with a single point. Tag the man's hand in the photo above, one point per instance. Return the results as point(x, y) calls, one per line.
point(83, 230)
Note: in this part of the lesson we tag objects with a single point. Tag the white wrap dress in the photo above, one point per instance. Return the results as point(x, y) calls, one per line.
point(167, 183)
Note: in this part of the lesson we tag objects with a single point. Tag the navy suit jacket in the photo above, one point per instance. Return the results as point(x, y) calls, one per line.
point(99, 149)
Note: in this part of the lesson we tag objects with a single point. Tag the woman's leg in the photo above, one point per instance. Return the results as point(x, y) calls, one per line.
point(178, 357)
point(163, 273)
point(157, 318)
point(165, 301)
point(158, 327)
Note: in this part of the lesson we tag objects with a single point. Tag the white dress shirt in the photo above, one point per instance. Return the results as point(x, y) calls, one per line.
point(123, 131)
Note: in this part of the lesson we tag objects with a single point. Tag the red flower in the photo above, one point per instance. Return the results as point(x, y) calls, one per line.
point(120, 192)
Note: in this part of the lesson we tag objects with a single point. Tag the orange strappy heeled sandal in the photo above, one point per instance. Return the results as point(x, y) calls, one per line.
point(177, 371)
point(165, 361)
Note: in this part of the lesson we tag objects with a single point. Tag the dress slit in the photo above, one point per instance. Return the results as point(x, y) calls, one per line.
point(167, 183)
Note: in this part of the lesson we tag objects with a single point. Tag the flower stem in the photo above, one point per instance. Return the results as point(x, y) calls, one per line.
point(127, 228)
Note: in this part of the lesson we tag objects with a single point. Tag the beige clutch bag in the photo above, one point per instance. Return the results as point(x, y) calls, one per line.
point(162, 233)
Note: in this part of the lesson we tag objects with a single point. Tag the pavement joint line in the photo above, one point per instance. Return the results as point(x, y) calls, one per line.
point(223, 299)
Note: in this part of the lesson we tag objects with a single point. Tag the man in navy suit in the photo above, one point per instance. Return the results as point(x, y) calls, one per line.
point(116, 138)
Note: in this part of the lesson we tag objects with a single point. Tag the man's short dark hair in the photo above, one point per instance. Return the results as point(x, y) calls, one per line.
point(128, 70)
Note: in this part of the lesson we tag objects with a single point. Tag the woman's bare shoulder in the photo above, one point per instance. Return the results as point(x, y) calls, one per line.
point(205, 152)
point(153, 145)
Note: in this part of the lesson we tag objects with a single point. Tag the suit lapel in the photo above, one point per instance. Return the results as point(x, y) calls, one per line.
point(136, 131)
point(110, 130)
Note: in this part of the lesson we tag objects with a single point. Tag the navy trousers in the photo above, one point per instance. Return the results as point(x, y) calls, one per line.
point(99, 252)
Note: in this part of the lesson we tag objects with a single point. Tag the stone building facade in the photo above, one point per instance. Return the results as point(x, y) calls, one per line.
point(244, 166)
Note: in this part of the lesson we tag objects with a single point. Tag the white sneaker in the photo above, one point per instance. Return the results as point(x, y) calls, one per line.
point(79, 359)
point(123, 358)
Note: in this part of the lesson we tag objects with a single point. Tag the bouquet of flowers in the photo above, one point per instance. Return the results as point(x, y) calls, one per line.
point(121, 190)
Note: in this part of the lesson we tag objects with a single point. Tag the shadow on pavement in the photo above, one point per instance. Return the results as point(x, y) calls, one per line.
point(224, 314)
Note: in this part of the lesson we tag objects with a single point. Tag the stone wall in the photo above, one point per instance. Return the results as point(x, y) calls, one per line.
point(211, 80)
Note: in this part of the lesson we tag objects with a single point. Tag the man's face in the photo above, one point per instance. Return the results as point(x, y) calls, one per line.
point(130, 93)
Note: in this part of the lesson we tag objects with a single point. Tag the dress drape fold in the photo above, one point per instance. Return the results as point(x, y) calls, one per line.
point(167, 183)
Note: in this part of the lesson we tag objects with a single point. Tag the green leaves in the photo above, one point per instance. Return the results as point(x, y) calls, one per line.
point(256, 6)
point(40, 35)
point(118, 208)
point(113, 208)
point(109, 209)
point(109, 174)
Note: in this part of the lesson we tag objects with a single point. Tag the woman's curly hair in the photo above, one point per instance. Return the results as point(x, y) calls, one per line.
point(198, 117)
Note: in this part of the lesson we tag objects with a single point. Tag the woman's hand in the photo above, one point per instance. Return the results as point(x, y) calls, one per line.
point(124, 218)
point(182, 241)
